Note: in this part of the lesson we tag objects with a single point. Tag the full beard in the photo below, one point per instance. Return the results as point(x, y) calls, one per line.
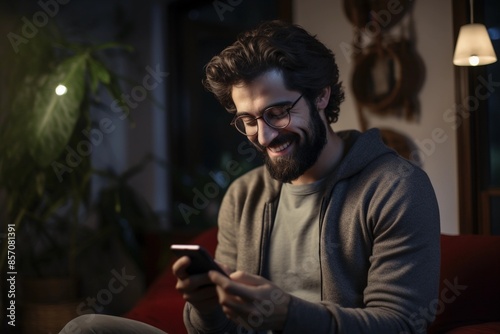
point(305, 155)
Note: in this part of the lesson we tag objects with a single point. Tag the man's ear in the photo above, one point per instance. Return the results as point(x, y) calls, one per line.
point(323, 98)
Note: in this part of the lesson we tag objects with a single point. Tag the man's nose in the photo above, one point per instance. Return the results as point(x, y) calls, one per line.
point(266, 134)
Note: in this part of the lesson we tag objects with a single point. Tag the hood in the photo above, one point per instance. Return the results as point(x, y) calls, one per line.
point(361, 150)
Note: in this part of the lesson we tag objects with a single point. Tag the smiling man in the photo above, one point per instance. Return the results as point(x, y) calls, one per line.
point(336, 233)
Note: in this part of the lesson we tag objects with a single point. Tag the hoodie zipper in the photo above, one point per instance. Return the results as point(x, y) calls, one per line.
point(265, 234)
point(320, 248)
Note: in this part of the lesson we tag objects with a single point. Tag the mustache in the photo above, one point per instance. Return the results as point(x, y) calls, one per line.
point(281, 139)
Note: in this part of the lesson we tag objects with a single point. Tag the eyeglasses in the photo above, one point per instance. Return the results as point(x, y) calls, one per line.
point(277, 117)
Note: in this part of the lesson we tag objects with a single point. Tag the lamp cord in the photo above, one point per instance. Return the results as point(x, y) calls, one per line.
point(471, 11)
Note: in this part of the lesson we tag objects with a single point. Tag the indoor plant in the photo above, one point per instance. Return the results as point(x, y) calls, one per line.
point(44, 169)
point(47, 91)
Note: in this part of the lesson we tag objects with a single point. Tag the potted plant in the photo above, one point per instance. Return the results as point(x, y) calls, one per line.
point(45, 167)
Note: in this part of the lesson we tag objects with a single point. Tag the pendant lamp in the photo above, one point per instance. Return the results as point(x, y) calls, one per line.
point(473, 45)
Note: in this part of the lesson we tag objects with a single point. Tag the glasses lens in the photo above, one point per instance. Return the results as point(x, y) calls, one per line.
point(277, 117)
point(246, 125)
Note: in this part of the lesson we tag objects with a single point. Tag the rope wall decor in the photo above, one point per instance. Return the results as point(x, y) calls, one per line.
point(387, 78)
point(388, 72)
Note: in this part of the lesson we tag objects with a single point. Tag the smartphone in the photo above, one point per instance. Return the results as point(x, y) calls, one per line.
point(201, 260)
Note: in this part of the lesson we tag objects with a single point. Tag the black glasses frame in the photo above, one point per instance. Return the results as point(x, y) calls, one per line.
point(285, 108)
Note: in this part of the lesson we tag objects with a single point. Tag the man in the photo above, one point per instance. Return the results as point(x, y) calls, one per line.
point(336, 233)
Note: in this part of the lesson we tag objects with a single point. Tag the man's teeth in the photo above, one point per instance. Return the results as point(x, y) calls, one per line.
point(279, 148)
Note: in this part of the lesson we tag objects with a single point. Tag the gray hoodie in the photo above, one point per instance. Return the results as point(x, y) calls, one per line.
point(379, 244)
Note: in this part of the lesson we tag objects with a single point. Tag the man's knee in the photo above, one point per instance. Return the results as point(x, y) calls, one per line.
point(84, 324)
point(100, 323)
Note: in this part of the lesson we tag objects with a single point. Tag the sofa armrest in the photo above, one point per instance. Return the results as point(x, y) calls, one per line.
point(469, 291)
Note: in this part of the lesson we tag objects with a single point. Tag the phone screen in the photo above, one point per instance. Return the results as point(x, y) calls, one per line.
point(201, 260)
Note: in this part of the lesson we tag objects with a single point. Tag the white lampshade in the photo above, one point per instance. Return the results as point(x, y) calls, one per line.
point(473, 46)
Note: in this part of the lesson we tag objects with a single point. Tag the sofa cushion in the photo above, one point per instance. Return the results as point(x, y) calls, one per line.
point(469, 290)
point(486, 328)
point(162, 306)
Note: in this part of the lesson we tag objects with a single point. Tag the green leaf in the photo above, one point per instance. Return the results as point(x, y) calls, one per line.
point(113, 45)
point(54, 116)
point(98, 73)
point(15, 162)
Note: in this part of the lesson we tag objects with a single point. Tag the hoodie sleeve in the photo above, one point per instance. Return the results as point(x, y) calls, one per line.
point(225, 253)
point(387, 250)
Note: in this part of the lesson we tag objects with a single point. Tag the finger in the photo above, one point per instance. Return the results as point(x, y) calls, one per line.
point(236, 311)
point(202, 294)
point(233, 305)
point(217, 278)
point(193, 283)
point(229, 286)
point(180, 266)
point(224, 267)
point(248, 279)
point(223, 283)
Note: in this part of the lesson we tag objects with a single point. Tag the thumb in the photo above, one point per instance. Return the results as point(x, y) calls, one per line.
point(225, 267)
point(245, 278)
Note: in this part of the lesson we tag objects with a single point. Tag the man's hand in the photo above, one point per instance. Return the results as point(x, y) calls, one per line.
point(251, 301)
point(198, 290)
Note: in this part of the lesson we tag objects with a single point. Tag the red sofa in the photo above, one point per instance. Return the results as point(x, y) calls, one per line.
point(469, 298)
point(162, 305)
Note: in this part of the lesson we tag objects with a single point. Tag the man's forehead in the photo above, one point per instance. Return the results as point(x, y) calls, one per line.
point(267, 84)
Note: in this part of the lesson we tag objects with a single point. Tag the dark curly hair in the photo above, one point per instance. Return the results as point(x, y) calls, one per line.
point(306, 64)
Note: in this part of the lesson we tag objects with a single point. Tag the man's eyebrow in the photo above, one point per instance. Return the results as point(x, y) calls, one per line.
point(275, 104)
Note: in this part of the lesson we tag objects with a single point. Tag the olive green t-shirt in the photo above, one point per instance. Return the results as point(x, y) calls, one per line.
point(294, 250)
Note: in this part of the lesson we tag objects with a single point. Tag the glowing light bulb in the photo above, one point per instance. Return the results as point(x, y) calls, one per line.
point(473, 60)
point(61, 90)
